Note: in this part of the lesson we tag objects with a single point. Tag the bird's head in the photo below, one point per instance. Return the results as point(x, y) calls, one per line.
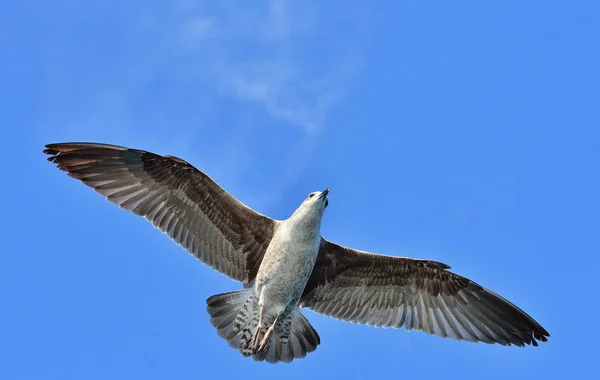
point(314, 204)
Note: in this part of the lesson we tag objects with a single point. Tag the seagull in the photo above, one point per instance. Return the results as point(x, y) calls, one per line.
point(286, 265)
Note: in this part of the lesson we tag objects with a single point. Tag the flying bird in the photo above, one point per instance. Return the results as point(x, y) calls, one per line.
point(286, 265)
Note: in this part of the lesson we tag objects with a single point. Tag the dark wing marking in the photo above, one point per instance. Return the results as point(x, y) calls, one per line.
point(177, 198)
point(389, 291)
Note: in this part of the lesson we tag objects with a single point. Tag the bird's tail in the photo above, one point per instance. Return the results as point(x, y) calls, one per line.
point(235, 316)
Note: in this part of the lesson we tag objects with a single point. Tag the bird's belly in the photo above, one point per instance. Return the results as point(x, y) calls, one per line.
point(281, 283)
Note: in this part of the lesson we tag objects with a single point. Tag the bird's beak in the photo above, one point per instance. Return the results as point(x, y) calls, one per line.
point(324, 193)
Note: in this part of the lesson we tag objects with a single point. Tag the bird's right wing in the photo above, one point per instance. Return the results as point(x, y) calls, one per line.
point(387, 291)
point(177, 198)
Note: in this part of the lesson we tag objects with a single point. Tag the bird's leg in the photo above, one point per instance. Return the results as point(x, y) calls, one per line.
point(258, 328)
point(265, 339)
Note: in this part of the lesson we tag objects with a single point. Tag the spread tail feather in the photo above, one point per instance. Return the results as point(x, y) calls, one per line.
point(235, 316)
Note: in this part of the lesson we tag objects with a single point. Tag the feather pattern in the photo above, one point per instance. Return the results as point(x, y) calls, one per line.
point(387, 291)
point(176, 198)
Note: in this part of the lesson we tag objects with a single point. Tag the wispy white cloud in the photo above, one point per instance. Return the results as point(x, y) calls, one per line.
point(197, 29)
point(294, 61)
point(212, 82)
point(285, 56)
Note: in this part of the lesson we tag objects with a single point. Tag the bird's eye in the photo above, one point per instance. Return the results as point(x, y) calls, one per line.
point(311, 195)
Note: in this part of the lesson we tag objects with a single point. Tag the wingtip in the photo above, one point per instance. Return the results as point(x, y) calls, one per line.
point(542, 335)
point(51, 152)
point(56, 148)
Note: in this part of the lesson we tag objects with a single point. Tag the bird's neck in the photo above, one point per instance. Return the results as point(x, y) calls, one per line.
point(301, 219)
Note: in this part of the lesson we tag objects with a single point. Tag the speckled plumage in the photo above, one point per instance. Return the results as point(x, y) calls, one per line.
point(289, 260)
point(285, 265)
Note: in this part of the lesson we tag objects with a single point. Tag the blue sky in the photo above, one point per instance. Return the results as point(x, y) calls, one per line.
point(465, 132)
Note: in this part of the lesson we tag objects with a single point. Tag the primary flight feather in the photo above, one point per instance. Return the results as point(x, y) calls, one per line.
point(286, 264)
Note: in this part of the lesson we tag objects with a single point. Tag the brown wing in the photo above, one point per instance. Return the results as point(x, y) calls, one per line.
point(177, 198)
point(388, 291)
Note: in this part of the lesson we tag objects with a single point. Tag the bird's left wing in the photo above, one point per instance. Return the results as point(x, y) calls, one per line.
point(387, 291)
point(177, 198)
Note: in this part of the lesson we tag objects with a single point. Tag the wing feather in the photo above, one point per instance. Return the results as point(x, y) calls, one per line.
point(387, 291)
point(176, 198)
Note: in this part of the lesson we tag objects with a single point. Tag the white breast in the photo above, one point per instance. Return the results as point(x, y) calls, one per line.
point(287, 265)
